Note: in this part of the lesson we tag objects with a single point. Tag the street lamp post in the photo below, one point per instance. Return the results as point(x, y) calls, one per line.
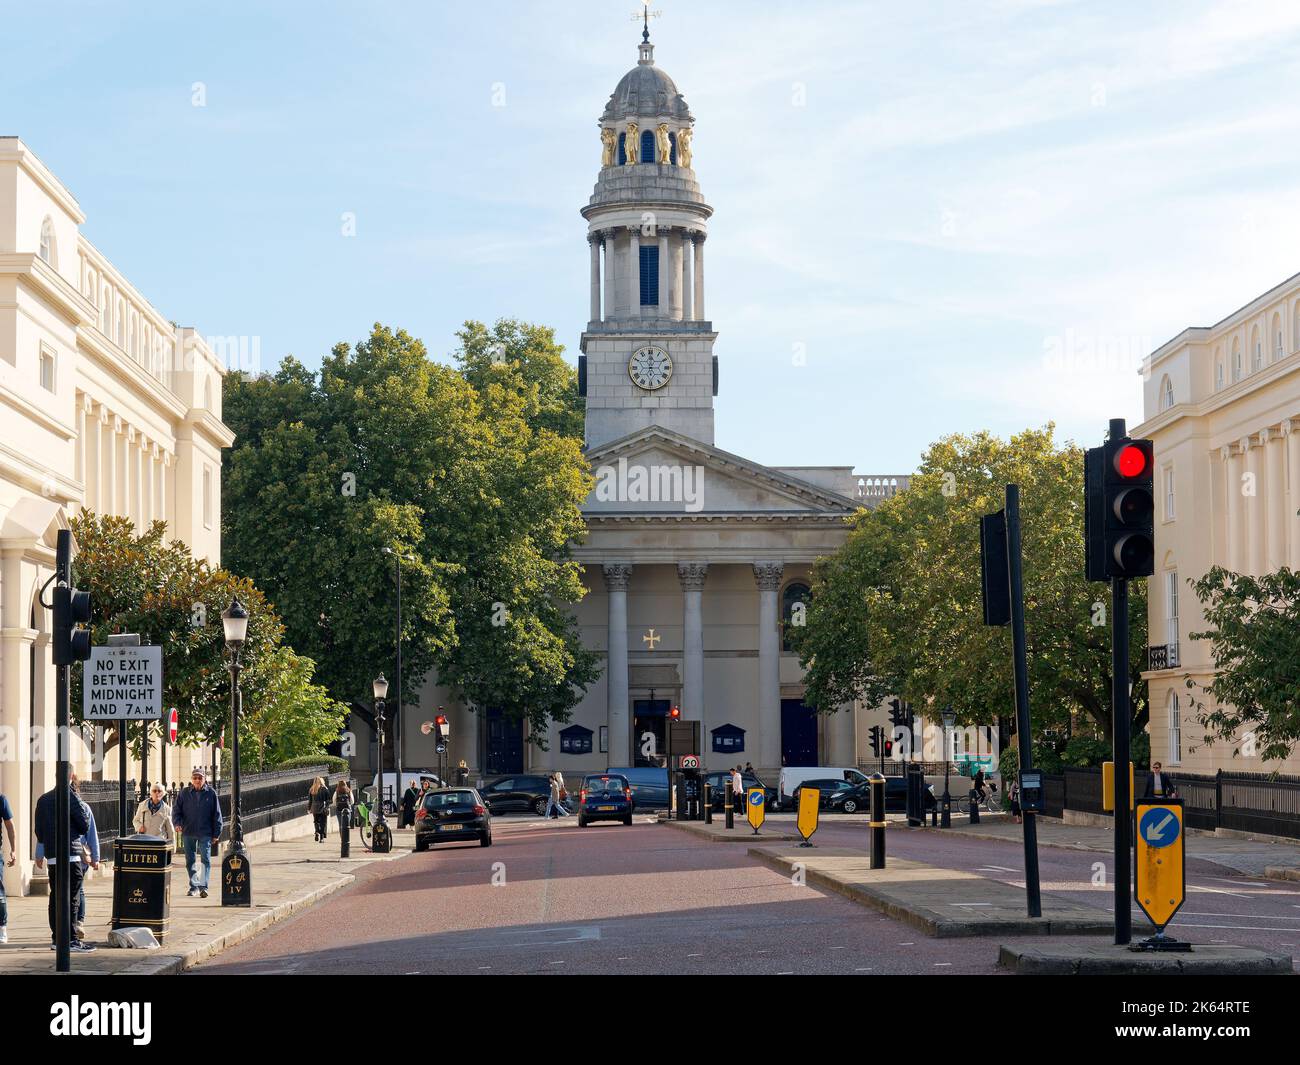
point(398, 559)
point(382, 840)
point(949, 719)
point(236, 871)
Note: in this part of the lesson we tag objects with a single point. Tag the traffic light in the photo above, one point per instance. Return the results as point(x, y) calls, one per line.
point(441, 733)
point(675, 714)
point(1119, 509)
point(876, 734)
point(898, 714)
point(889, 748)
point(71, 611)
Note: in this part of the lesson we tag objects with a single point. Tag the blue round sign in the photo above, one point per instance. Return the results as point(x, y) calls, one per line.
point(1159, 827)
point(756, 799)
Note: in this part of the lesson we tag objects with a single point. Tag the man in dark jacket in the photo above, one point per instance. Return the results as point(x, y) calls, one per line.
point(1160, 785)
point(197, 816)
point(63, 864)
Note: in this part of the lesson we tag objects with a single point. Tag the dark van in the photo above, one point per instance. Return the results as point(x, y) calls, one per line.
point(649, 785)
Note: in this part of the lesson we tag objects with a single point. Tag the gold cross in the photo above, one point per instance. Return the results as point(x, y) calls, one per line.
point(651, 639)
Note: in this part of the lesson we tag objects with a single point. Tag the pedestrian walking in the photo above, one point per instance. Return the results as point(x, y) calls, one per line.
point(7, 816)
point(197, 817)
point(410, 797)
point(153, 817)
point(343, 805)
point(564, 793)
point(61, 865)
point(89, 847)
point(1160, 785)
point(1013, 796)
point(553, 798)
point(318, 804)
point(737, 782)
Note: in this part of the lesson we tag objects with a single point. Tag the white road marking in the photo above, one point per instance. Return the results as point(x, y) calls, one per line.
point(1253, 916)
point(997, 869)
point(695, 955)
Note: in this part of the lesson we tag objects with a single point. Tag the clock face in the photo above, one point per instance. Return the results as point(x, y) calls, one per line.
point(650, 367)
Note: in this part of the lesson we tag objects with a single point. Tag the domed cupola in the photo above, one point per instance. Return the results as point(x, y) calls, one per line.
point(645, 91)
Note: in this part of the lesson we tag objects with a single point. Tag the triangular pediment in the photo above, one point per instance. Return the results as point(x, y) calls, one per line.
point(656, 471)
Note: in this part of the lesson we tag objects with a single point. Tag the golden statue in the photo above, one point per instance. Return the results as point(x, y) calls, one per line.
point(684, 146)
point(631, 144)
point(664, 146)
point(608, 142)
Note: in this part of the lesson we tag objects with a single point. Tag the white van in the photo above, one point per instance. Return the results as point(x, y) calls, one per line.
point(793, 776)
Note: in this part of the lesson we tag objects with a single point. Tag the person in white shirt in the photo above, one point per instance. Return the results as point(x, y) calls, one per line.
point(737, 782)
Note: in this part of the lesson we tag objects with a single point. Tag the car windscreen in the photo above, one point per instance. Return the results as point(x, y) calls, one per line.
point(604, 783)
point(441, 800)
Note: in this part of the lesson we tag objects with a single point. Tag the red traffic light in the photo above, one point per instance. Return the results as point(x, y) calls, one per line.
point(675, 713)
point(889, 747)
point(1131, 461)
point(441, 719)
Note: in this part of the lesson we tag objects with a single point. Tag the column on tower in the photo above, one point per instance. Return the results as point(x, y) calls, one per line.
point(675, 298)
point(687, 289)
point(768, 577)
point(1234, 527)
point(1254, 449)
point(607, 238)
point(634, 272)
point(593, 239)
point(617, 575)
point(665, 273)
point(699, 277)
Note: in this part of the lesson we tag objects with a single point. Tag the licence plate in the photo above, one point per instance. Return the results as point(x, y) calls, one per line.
point(606, 807)
point(452, 828)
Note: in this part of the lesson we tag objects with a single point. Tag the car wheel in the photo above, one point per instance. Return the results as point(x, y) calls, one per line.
point(539, 807)
point(627, 820)
point(485, 841)
point(850, 807)
point(420, 845)
point(582, 821)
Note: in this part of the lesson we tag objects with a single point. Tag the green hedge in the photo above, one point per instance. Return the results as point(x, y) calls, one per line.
point(335, 763)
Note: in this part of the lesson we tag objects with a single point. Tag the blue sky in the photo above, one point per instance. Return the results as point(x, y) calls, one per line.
point(930, 217)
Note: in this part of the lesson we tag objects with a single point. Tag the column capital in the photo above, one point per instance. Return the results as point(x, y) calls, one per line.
point(768, 575)
point(1225, 452)
point(594, 237)
point(1286, 426)
point(617, 575)
point(699, 236)
point(692, 575)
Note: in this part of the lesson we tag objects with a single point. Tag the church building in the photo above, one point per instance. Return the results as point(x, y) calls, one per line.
point(697, 560)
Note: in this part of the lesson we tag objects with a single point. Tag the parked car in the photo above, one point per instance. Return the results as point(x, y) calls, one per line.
point(857, 799)
point(717, 783)
point(794, 777)
point(649, 785)
point(829, 788)
point(517, 794)
point(452, 815)
point(605, 797)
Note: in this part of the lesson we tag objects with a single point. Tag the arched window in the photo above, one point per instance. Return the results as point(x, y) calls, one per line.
point(794, 610)
point(1166, 393)
point(647, 146)
point(1218, 369)
point(622, 149)
point(207, 393)
point(105, 312)
point(47, 242)
point(1256, 350)
point(1236, 361)
point(1175, 729)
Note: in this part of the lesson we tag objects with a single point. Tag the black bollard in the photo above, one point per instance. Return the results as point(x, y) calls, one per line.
point(708, 804)
point(877, 821)
point(974, 808)
point(345, 838)
point(727, 806)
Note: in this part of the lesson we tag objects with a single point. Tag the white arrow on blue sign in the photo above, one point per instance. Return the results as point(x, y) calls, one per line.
point(1158, 827)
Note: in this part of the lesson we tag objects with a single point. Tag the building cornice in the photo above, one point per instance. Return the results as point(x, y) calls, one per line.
point(207, 423)
point(12, 149)
point(1225, 397)
point(92, 343)
point(48, 282)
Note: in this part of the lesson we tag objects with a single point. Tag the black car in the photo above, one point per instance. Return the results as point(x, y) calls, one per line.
point(717, 783)
point(832, 791)
point(605, 797)
point(452, 815)
point(857, 799)
point(517, 794)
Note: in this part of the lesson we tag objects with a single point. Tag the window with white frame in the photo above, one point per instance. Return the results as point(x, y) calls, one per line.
point(1169, 493)
point(1175, 730)
point(1218, 374)
point(47, 368)
point(207, 497)
point(1171, 608)
point(1258, 358)
point(47, 241)
point(1278, 350)
point(1166, 394)
point(1236, 364)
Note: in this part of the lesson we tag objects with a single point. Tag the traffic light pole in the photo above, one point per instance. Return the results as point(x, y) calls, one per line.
point(1121, 756)
point(62, 885)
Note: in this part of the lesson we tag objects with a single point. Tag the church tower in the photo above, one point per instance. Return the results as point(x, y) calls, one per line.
point(647, 352)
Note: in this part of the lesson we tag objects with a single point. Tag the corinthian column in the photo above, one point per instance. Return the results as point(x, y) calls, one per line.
point(768, 577)
point(634, 273)
point(593, 239)
point(619, 717)
point(1275, 501)
point(1291, 431)
point(698, 274)
point(692, 576)
point(609, 239)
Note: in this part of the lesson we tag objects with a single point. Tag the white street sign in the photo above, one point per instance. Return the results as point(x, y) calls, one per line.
point(123, 684)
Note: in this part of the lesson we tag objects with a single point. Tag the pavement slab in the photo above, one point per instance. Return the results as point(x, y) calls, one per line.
point(945, 903)
point(1066, 959)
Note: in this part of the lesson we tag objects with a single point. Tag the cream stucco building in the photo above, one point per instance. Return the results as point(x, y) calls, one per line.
point(104, 404)
point(696, 559)
point(1222, 405)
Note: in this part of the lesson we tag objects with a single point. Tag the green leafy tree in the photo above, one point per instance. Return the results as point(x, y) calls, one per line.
point(285, 713)
point(1254, 698)
point(387, 448)
point(897, 610)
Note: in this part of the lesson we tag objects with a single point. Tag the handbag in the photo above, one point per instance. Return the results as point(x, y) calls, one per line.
point(564, 794)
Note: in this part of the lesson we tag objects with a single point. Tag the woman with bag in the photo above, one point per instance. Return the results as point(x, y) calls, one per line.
point(318, 804)
point(343, 805)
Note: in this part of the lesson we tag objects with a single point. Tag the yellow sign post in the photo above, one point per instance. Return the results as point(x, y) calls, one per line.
point(810, 801)
point(1160, 868)
point(756, 808)
point(1108, 786)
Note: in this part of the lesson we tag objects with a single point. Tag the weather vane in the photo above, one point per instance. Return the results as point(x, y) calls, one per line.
point(644, 16)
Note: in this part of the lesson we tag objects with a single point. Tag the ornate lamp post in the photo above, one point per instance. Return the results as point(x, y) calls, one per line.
point(949, 719)
point(382, 841)
point(236, 873)
point(398, 559)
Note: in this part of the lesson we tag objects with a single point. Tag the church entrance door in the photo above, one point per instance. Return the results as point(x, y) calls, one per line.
point(649, 732)
point(505, 742)
point(798, 733)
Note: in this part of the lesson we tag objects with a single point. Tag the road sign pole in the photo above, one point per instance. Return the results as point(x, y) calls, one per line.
point(1015, 579)
point(126, 639)
point(1120, 753)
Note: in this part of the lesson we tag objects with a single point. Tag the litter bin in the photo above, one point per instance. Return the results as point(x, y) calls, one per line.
point(142, 883)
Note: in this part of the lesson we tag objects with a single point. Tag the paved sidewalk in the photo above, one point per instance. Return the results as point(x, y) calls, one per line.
point(287, 876)
point(1251, 857)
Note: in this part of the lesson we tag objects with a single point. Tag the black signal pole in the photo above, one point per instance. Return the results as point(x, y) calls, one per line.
point(1120, 751)
point(62, 885)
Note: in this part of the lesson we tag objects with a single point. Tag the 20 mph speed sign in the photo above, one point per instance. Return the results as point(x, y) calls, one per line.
point(123, 684)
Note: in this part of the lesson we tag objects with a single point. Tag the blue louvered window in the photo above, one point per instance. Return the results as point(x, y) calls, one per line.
point(649, 275)
point(647, 146)
point(622, 149)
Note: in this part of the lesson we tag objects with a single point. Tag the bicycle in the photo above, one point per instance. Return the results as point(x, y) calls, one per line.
point(988, 801)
